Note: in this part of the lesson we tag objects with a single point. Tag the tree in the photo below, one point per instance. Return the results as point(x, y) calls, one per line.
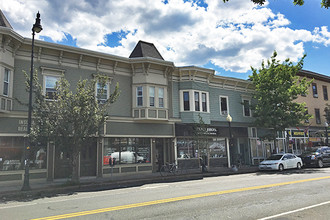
point(72, 119)
point(324, 3)
point(276, 88)
point(201, 141)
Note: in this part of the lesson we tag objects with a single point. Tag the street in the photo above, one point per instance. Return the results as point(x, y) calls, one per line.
point(292, 194)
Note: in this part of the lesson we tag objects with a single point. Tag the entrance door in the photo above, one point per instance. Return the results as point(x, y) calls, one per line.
point(268, 149)
point(88, 159)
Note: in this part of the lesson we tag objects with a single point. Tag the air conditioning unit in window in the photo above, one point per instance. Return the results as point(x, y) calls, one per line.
point(316, 95)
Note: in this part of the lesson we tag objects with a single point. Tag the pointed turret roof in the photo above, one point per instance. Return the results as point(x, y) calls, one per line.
point(3, 21)
point(145, 49)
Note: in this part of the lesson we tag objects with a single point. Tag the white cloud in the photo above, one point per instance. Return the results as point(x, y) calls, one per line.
point(233, 36)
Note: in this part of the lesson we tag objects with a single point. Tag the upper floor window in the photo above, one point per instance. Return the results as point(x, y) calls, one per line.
point(314, 87)
point(246, 108)
point(152, 96)
point(102, 92)
point(325, 92)
point(223, 105)
point(186, 104)
point(306, 113)
point(50, 78)
point(204, 102)
point(6, 82)
point(196, 101)
point(317, 116)
point(161, 97)
point(50, 86)
point(139, 96)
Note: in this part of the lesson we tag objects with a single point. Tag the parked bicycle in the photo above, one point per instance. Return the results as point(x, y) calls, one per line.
point(169, 168)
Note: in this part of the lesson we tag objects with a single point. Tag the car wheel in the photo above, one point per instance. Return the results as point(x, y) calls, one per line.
point(298, 166)
point(320, 163)
point(280, 167)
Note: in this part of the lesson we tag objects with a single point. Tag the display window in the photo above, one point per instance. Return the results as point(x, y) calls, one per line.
point(127, 150)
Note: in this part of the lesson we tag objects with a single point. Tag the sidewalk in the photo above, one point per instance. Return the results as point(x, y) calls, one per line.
point(11, 190)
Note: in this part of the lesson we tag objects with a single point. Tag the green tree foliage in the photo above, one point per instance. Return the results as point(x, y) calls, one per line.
point(276, 89)
point(324, 3)
point(201, 138)
point(72, 119)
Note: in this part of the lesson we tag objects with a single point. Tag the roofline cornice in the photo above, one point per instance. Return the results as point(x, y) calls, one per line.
point(82, 51)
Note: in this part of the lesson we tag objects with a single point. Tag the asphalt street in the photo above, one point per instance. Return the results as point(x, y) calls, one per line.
point(294, 194)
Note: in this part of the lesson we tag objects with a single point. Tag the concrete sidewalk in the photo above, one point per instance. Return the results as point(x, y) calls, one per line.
point(11, 190)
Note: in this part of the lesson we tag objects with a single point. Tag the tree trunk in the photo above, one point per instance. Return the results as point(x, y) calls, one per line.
point(75, 166)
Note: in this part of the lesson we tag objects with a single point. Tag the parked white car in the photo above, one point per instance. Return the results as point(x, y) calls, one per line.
point(281, 162)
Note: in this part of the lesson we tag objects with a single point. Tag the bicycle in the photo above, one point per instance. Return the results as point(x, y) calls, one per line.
point(168, 168)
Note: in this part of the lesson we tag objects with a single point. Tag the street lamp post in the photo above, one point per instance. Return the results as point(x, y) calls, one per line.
point(36, 28)
point(229, 119)
point(326, 133)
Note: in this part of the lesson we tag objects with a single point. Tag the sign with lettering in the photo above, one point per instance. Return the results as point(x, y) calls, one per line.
point(22, 125)
point(298, 133)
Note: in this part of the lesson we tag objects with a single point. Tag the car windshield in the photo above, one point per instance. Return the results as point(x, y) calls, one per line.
point(275, 157)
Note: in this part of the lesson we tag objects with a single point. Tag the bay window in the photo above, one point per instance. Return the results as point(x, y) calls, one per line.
point(161, 97)
point(139, 96)
point(6, 82)
point(151, 96)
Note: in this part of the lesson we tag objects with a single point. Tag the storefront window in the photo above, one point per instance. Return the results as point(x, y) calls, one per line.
point(127, 150)
point(218, 148)
point(12, 154)
point(186, 148)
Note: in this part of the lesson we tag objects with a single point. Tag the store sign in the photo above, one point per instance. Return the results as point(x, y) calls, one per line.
point(22, 125)
point(298, 134)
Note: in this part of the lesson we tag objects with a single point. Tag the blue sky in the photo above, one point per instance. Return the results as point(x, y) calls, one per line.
point(227, 37)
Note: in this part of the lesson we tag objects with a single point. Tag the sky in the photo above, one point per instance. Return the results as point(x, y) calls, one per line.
point(227, 37)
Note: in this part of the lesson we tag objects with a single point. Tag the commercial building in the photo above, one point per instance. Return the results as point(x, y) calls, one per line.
point(164, 114)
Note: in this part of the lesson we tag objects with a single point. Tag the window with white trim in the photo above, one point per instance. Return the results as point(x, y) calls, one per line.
point(50, 86)
point(194, 100)
point(196, 97)
point(139, 96)
point(204, 102)
point(161, 97)
point(224, 109)
point(6, 81)
point(151, 96)
point(186, 101)
point(246, 108)
point(50, 77)
point(102, 91)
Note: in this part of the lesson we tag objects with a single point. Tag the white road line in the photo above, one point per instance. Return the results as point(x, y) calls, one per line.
point(297, 210)
point(154, 187)
point(15, 206)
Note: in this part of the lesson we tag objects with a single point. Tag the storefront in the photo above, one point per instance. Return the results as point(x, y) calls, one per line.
point(211, 148)
point(13, 142)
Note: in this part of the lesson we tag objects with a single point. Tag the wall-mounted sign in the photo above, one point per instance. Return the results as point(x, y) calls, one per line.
point(22, 125)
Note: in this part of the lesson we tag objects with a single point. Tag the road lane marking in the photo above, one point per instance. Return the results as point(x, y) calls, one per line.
point(181, 198)
point(154, 187)
point(294, 211)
